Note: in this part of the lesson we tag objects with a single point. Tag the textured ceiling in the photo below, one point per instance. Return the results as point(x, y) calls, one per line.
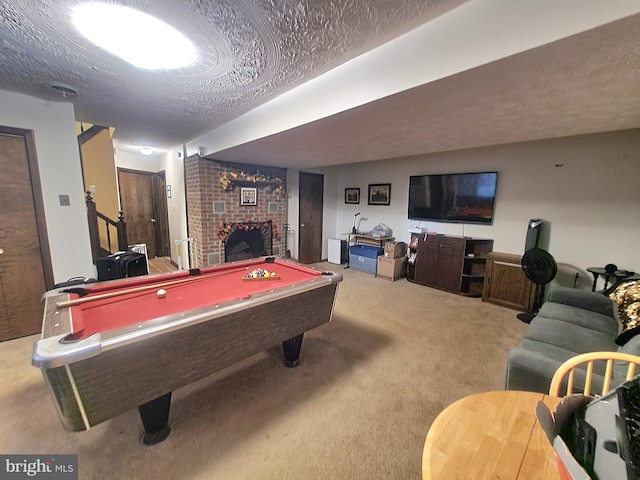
point(582, 84)
point(249, 52)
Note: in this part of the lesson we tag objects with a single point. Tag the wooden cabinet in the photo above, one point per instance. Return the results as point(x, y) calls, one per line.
point(506, 284)
point(455, 264)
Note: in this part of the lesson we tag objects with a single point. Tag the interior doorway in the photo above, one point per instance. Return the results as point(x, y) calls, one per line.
point(311, 212)
point(144, 205)
point(26, 272)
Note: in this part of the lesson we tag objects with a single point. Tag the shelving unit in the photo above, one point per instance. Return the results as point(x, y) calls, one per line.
point(455, 264)
point(474, 269)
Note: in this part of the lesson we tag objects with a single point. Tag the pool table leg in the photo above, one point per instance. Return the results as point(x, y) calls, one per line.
point(291, 349)
point(155, 418)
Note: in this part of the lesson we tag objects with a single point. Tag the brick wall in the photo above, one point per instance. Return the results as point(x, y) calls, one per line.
point(204, 190)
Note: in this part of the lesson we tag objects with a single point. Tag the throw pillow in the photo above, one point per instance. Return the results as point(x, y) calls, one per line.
point(627, 297)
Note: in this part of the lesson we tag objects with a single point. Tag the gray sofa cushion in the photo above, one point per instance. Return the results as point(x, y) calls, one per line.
point(591, 301)
point(632, 346)
point(532, 364)
point(580, 317)
point(568, 336)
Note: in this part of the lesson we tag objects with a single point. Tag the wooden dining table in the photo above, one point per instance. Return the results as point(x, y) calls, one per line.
point(490, 435)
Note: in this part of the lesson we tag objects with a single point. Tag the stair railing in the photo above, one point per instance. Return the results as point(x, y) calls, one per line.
point(120, 226)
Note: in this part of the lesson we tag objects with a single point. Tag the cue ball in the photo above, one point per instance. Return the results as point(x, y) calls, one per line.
point(161, 293)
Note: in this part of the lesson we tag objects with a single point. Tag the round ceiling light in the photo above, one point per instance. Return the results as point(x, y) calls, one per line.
point(146, 151)
point(65, 90)
point(134, 36)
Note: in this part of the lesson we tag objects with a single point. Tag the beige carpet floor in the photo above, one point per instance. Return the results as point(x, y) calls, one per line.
point(370, 384)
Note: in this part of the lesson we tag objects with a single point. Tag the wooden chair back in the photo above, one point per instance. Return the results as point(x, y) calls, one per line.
point(568, 368)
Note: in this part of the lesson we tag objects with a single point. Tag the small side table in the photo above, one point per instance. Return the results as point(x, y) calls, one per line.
point(490, 435)
point(618, 275)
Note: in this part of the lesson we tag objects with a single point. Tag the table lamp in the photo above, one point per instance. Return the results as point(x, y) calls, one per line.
point(353, 229)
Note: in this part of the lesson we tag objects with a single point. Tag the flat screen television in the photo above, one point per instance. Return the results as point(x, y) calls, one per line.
point(457, 197)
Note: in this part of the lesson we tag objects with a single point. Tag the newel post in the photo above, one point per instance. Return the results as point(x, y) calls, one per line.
point(92, 218)
point(123, 244)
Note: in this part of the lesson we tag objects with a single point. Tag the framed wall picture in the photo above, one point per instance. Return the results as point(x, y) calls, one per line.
point(248, 196)
point(352, 195)
point(380, 194)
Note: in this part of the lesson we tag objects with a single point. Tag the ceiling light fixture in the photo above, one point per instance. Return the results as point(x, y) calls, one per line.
point(134, 36)
point(146, 151)
point(62, 89)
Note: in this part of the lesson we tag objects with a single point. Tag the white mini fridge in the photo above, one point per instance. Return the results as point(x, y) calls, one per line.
point(337, 251)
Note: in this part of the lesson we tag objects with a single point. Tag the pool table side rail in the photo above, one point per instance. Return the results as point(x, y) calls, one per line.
point(128, 374)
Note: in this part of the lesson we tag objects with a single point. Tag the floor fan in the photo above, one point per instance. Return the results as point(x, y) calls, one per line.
point(539, 267)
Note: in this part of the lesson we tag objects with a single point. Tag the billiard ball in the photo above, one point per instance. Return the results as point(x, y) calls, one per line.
point(161, 293)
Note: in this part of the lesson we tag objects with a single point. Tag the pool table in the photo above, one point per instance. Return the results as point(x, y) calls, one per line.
point(109, 347)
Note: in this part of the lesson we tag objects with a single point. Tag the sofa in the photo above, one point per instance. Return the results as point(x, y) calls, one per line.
point(571, 322)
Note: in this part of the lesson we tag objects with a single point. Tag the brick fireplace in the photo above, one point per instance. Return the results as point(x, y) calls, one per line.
point(215, 213)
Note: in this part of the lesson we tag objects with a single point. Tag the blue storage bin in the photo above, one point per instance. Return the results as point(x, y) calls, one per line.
point(365, 264)
point(365, 257)
point(369, 251)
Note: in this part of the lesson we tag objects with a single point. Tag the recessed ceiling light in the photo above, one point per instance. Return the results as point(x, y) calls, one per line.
point(146, 151)
point(134, 36)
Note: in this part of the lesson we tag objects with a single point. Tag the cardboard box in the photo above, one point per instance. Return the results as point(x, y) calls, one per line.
point(395, 249)
point(391, 268)
point(568, 467)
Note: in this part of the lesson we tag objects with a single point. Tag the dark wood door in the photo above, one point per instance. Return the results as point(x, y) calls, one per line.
point(310, 227)
point(144, 205)
point(159, 186)
point(25, 264)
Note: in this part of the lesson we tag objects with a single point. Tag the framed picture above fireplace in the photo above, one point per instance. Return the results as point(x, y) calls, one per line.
point(248, 196)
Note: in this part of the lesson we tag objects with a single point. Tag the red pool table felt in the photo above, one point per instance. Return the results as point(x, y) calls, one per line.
point(212, 286)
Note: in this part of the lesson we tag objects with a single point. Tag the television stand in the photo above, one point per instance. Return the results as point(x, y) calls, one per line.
point(455, 264)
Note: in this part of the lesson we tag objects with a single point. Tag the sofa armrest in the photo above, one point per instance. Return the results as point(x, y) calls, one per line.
point(592, 301)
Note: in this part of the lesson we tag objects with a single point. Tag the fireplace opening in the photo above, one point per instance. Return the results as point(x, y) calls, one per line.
point(246, 240)
point(244, 244)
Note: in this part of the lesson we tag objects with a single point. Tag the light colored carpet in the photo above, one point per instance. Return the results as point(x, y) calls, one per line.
point(370, 384)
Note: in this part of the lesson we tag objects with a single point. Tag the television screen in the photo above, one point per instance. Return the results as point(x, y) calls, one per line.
point(458, 197)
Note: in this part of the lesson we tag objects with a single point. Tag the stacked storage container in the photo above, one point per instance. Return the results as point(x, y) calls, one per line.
point(364, 257)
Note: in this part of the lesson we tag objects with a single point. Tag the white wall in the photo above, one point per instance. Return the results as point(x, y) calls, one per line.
point(592, 202)
point(53, 124)
point(136, 161)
